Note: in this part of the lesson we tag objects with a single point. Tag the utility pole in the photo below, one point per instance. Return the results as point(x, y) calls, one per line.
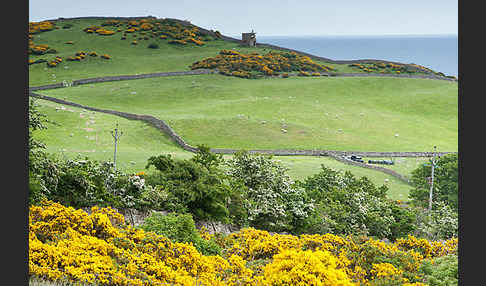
point(116, 136)
point(432, 179)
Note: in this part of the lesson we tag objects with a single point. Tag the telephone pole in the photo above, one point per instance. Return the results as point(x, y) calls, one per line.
point(432, 179)
point(116, 136)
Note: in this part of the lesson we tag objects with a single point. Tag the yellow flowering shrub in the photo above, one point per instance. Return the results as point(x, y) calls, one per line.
point(230, 62)
point(428, 248)
point(385, 269)
point(66, 244)
point(150, 27)
point(304, 73)
point(104, 32)
point(383, 68)
point(38, 27)
point(297, 267)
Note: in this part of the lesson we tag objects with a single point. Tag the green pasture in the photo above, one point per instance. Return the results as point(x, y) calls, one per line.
point(77, 132)
point(348, 114)
point(74, 132)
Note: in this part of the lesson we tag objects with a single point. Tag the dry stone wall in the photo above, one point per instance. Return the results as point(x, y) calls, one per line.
point(161, 125)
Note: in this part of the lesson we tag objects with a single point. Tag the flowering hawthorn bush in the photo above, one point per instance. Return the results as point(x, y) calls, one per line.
point(272, 201)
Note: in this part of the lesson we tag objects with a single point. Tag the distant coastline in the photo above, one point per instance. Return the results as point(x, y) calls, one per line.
point(327, 55)
point(437, 52)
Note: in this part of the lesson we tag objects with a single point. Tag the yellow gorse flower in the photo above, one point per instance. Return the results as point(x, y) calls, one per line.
point(99, 248)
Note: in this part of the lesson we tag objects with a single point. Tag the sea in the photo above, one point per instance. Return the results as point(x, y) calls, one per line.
point(437, 52)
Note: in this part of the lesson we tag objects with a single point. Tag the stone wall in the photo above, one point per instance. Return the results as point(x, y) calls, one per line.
point(140, 76)
point(161, 125)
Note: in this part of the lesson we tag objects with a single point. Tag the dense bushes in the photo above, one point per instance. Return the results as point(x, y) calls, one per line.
point(84, 183)
point(192, 186)
point(66, 244)
point(271, 199)
point(348, 205)
point(253, 65)
point(440, 223)
point(380, 67)
point(444, 271)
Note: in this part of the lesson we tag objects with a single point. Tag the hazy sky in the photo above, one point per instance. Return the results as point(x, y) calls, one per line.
point(275, 17)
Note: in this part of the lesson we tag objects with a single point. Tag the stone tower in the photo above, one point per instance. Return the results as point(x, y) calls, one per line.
point(249, 39)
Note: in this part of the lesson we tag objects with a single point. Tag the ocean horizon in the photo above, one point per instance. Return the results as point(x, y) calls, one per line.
point(437, 52)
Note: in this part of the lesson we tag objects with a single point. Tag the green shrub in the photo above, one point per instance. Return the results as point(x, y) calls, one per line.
point(349, 205)
point(36, 191)
point(441, 223)
point(446, 182)
point(271, 200)
point(443, 272)
point(179, 228)
point(194, 187)
point(83, 183)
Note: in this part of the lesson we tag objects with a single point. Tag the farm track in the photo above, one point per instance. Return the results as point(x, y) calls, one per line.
point(164, 127)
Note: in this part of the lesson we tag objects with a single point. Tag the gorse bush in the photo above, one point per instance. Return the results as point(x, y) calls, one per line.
point(66, 244)
point(174, 31)
point(253, 65)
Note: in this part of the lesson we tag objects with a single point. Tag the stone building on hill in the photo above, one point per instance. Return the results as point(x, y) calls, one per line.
point(249, 39)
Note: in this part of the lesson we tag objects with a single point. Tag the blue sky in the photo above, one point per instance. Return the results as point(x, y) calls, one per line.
point(276, 17)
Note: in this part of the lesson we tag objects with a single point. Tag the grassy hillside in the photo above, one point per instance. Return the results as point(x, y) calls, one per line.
point(359, 114)
point(125, 57)
point(75, 132)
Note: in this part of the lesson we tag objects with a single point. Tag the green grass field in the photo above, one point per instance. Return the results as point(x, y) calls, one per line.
point(75, 132)
point(91, 137)
point(349, 114)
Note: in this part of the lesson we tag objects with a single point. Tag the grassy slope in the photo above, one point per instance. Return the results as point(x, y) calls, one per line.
point(359, 114)
point(91, 137)
point(140, 141)
point(126, 58)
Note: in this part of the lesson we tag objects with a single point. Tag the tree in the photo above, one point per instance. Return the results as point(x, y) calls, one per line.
point(195, 186)
point(272, 200)
point(446, 178)
point(349, 205)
